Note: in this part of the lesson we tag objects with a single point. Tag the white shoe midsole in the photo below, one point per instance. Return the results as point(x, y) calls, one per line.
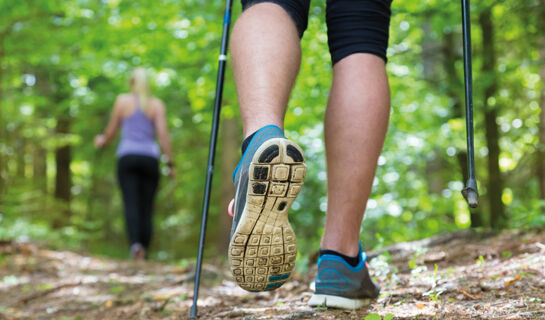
point(337, 302)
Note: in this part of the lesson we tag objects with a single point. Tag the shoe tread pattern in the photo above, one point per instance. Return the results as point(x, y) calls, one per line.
point(263, 248)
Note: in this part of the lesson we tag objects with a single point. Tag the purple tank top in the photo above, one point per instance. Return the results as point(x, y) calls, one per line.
point(137, 135)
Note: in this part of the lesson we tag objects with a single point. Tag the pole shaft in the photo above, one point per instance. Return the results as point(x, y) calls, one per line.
point(212, 150)
point(466, 25)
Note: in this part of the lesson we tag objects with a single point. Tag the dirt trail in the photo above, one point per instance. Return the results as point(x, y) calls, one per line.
point(462, 275)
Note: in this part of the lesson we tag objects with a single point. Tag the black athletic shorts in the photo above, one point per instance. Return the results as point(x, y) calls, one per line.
point(353, 26)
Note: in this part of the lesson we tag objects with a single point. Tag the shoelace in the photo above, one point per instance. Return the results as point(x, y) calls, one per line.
point(230, 208)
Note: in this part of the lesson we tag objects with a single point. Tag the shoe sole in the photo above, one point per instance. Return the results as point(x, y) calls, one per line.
point(324, 300)
point(263, 248)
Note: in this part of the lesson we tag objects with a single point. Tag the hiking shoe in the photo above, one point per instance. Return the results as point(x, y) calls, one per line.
point(138, 252)
point(269, 176)
point(339, 285)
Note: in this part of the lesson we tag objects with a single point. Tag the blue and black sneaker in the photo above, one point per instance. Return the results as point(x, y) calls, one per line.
point(269, 176)
point(339, 285)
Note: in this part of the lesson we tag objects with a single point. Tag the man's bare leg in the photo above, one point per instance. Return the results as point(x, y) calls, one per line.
point(266, 56)
point(355, 127)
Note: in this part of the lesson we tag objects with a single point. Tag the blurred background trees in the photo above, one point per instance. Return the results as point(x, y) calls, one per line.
point(62, 63)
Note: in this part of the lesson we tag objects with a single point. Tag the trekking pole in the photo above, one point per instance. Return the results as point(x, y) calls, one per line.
point(470, 192)
point(212, 149)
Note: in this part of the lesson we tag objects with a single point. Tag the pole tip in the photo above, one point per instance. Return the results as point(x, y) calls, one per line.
point(471, 196)
point(193, 312)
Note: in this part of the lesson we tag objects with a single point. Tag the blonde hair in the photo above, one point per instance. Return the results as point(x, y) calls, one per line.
point(140, 86)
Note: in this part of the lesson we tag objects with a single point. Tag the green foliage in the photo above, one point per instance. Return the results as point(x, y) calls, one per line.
point(117, 289)
point(376, 316)
point(68, 60)
point(321, 308)
point(44, 287)
point(373, 316)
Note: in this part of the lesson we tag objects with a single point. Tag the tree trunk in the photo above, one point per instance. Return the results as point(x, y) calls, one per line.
point(63, 178)
point(229, 156)
point(541, 64)
point(454, 91)
point(20, 152)
point(434, 166)
point(427, 56)
point(2, 135)
point(39, 166)
point(495, 183)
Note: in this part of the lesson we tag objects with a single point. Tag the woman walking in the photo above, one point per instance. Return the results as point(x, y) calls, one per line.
point(141, 118)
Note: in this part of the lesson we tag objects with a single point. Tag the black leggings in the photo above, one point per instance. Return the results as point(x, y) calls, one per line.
point(138, 178)
point(353, 26)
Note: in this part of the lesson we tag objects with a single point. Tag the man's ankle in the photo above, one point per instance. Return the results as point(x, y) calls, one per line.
point(246, 142)
point(353, 261)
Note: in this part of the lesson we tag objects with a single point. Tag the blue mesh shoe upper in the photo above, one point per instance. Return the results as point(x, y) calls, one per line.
point(240, 175)
point(337, 278)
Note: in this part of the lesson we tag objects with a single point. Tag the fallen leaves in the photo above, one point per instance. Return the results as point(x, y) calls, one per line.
point(470, 296)
point(457, 288)
point(515, 279)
